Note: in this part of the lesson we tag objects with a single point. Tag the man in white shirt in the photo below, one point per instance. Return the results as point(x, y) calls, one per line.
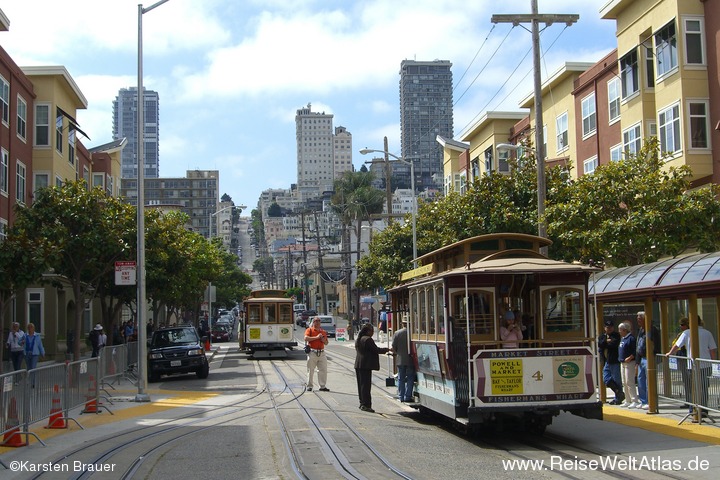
point(707, 349)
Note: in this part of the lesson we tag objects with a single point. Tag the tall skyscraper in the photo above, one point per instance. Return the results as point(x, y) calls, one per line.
point(125, 125)
point(323, 153)
point(426, 111)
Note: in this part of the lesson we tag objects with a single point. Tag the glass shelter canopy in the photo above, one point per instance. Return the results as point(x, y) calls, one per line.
point(664, 278)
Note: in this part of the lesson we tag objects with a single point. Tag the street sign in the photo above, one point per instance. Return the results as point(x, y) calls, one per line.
point(125, 273)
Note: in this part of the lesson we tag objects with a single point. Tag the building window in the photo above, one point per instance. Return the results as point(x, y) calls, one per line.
point(4, 171)
point(694, 41)
point(613, 100)
point(650, 68)
point(632, 140)
point(666, 49)
point(21, 118)
point(699, 124)
point(20, 183)
point(58, 133)
point(489, 167)
point(98, 180)
point(669, 122)
point(5, 100)
point(35, 300)
point(616, 153)
point(42, 180)
point(590, 165)
point(589, 119)
point(629, 74)
point(475, 168)
point(561, 129)
point(71, 146)
point(42, 125)
point(3, 229)
point(543, 151)
point(503, 165)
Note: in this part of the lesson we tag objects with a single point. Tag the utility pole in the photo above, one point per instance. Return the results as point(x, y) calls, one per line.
point(321, 269)
point(388, 188)
point(534, 19)
point(306, 287)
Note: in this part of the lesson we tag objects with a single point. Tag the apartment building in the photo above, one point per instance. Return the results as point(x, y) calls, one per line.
point(125, 125)
point(196, 194)
point(597, 120)
point(663, 50)
point(483, 137)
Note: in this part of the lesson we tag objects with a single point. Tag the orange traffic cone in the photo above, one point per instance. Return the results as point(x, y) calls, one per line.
point(91, 403)
point(56, 420)
point(13, 437)
point(207, 344)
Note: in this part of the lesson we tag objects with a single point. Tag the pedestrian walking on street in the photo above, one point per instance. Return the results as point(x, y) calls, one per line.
point(366, 360)
point(405, 364)
point(626, 353)
point(34, 350)
point(316, 338)
point(16, 345)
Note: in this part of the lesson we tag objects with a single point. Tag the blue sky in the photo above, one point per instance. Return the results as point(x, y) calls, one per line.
point(232, 73)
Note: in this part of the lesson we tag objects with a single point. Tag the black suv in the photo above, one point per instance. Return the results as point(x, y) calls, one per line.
point(176, 350)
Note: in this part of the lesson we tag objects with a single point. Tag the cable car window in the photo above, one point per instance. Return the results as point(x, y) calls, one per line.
point(562, 310)
point(286, 314)
point(269, 313)
point(432, 317)
point(479, 304)
point(422, 306)
point(253, 313)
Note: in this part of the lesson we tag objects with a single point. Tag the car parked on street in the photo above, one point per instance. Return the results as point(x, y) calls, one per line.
point(220, 333)
point(327, 323)
point(176, 350)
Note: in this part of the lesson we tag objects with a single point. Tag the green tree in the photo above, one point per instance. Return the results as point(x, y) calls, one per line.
point(23, 259)
point(89, 231)
point(634, 211)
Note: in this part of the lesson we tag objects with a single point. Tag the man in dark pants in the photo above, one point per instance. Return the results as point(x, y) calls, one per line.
point(608, 344)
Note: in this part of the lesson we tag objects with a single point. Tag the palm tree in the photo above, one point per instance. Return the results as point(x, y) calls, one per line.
point(355, 200)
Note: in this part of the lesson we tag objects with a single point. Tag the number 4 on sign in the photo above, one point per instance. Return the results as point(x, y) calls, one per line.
point(537, 376)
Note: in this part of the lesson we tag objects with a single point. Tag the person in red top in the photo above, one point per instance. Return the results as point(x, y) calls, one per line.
point(316, 338)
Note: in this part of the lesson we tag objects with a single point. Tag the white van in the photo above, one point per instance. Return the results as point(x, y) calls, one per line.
point(327, 323)
point(299, 307)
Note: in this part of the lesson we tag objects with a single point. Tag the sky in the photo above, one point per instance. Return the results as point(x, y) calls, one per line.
point(231, 74)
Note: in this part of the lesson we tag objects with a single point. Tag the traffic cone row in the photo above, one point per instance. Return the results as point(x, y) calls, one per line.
point(13, 437)
point(57, 419)
point(91, 403)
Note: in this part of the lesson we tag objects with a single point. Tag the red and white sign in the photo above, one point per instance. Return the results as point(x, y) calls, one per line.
point(125, 273)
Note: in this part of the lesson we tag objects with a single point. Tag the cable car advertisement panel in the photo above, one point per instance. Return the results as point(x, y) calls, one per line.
point(534, 374)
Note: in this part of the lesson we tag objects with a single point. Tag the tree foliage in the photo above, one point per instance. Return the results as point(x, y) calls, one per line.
point(89, 231)
point(634, 211)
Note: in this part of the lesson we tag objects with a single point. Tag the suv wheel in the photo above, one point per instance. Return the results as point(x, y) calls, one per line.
point(203, 372)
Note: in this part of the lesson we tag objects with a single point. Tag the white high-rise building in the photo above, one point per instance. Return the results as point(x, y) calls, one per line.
point(323, 152)
point(125, 126)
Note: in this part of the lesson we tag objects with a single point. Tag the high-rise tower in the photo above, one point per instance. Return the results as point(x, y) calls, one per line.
point(426, 111)
point(323, 153)
point(125, 125)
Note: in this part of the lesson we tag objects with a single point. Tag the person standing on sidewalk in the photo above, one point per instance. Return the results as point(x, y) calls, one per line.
point(641, 354)
point(405, 364)
point(608, 344)
point(16, 345)
point(626, 354)
point(316, 338)
point(367, 360)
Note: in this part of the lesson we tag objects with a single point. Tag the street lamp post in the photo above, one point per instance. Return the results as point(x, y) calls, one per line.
point(365, 151)
point(141, 301)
